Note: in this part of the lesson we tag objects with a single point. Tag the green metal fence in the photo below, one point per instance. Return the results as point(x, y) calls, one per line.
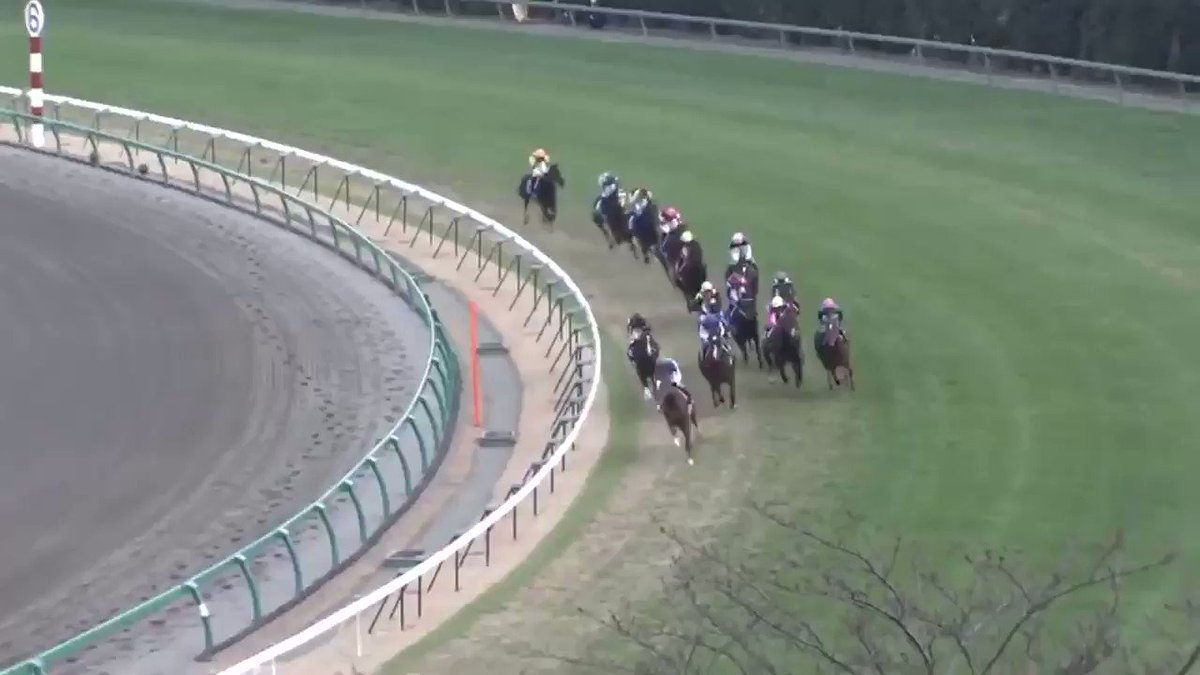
point(385, 471)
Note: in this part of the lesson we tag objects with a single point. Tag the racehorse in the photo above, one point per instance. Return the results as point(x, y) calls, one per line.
point(717, 365)
point(610, 218)
point(783, 346)
point(679, 419)
point(744, 319)
point(690, 273)
point(669, 249)
point(644, 354)
point(644, 229)
point(833, 349)
point(547, 194)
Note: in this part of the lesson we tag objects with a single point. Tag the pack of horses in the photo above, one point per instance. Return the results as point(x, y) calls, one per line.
point(635, 224)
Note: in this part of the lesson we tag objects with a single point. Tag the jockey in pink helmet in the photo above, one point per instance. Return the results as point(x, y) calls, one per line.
point(829, 309)
point(829, 313)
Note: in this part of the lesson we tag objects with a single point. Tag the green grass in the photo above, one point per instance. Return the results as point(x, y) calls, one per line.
point(1019, 271)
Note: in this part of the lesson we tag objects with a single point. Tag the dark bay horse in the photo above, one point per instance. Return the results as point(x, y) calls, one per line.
point(744, 319)
point(668, 250)
point(833, 349)
point(783, 346)
point(690, 272)
point(643, 354)
point(679, 419)
point(609, 216)
point(717, 365)
point(546, 193)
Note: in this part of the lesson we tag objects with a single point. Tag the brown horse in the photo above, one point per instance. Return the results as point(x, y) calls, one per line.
point(782, 346)
point(717, 367)
point(833, 349)
point(679, 419)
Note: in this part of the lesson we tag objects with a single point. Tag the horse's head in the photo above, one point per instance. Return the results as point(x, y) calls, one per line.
point(555, 175)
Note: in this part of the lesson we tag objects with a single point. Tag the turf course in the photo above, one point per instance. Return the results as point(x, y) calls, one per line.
point(1019, 271)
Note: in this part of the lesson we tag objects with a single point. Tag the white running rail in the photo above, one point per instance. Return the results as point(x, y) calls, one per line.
point(269, 656)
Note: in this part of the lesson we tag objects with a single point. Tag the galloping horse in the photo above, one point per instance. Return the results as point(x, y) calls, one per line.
point(679, 419)
point(669, 249)
point(547, 193)
point(690, 272)
point(743, 317)
point(643, 353)
point(609, 216)
point(783, 346)
point(833, 349)
point(642, 224)
point(717, 365)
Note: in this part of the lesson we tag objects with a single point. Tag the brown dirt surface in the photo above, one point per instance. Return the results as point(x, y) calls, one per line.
point(532, 357)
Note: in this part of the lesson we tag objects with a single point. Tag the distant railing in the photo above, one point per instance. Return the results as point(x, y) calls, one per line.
point(1051, 73)
point(380, 486)
point(552, 303)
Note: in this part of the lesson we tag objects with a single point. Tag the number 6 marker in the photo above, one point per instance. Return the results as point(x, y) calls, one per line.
point(35, 18)
point(35, 23)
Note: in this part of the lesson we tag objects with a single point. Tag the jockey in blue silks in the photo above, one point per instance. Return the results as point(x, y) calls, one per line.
point(713, 327)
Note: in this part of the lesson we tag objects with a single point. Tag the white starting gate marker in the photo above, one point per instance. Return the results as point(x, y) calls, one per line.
point(35, 23)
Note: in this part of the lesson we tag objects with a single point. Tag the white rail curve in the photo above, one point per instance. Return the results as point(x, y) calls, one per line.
point(349, 612)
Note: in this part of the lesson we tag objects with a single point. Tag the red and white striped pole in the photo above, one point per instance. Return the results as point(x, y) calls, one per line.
point(35, 22)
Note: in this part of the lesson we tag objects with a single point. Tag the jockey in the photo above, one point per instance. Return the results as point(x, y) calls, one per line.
point(669, 370)
point(636, 202)
point(708, 299)
point(609, 184)
point(739, 248)
point(713, 327)
point(783, 287)
point(670, 218)
point(829, 309)
point(636, 322)
point(735, 286)
point(539, 163)
point(775, 310)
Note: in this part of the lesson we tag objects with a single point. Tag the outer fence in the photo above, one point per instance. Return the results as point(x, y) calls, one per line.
point(329, 533)
point(557, 310)
point(985, 64)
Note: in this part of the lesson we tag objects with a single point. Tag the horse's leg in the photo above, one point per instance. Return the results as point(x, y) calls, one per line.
point(687, 443)
point(732, 391)
point(525, 213)
point(671, 430)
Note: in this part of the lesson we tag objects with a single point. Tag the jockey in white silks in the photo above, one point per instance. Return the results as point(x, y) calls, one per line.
point(539, 165)
point(739, 248)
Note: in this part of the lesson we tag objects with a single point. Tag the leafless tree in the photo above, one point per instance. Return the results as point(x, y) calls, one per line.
point(827, 604)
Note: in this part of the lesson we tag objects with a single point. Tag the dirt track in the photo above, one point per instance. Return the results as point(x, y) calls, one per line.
point(174, 377)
